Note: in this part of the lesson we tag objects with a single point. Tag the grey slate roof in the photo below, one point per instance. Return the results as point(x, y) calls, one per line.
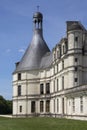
point(34, 55)
point(46, 60)
point(74, 25)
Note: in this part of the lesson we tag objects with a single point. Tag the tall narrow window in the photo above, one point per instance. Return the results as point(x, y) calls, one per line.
point(19, 76)
point(57, 85)
point(57, 105)
point(73, 104)
point(41, 89)
point(33, 106)
point(66, 47)
point(62, 82)
point(76, 79)
point(19, 90)
point(48, 106)
point(57, 68)
point(41, 106)
point(54, 105)
point(76, 59)
point(76, 68)
point(63, 49)
point(47, 88)
point(63, 64)
point(63, 105)
point(54, 85)
point(76, 39)
point(81, 104)
point(20, 108)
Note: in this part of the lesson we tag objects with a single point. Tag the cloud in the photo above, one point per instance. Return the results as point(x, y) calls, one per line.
point(21, 50)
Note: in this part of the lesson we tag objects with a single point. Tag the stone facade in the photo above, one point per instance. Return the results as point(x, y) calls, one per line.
point(60, 89)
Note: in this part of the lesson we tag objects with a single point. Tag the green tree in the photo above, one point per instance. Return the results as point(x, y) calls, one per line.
point(5, 106)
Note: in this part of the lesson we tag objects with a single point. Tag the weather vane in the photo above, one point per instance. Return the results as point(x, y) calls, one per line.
point(38, 8)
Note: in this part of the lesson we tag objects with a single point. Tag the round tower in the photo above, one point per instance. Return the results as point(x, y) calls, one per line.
point(26, 83)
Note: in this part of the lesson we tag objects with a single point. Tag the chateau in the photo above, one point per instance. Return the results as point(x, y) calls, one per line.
point(52, 83)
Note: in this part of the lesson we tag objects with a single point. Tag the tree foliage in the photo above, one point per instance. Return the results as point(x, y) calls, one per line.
point(5, 106)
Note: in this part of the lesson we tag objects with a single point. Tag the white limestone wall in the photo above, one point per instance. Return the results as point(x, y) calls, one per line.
point(33, 88)
point(77, 106)
point(71, 39)
point(33, 75)
point(15, 107)
point(48, 73)
point(42, 74)
point(23, 76)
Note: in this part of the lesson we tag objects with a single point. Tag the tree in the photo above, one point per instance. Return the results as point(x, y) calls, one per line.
point(5, 106)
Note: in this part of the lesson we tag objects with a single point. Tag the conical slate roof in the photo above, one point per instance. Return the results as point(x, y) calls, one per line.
point(34, 53)
point(37, 49)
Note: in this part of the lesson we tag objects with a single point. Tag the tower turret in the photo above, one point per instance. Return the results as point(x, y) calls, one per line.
point(37, 20)
point(37, 48)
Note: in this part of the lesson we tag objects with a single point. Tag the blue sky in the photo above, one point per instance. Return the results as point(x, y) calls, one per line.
point(16, 30)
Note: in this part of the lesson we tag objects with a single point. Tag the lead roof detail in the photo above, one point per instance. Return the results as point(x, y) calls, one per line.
point(36, 50)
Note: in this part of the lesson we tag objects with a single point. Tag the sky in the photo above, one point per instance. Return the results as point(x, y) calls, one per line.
point(16, 30)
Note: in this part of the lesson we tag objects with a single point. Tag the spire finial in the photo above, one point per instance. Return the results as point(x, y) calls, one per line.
point(38, 8)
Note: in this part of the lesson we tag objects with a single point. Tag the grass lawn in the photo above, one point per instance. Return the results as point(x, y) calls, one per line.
point(41, 124)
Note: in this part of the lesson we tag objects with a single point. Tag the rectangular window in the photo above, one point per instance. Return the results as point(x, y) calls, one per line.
point(63, 49)
point(19, 90)
point(48, 106)
point(33, 106)
point(76, 68)
point(62, 82)
point(76, 59)
point(54, 105)
point(66, 47)
point(47, 88)
point(76, 39)
point(20, 108)
point(73, 105)
point(63, 105)
point(57, 105)
point(57, 68)
point(76, 79)
point(41, 106)
point(81, 104)
point(54, 86)
point(63, 64)
point(57, 85)
point(41, 88)
point(19, 76)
